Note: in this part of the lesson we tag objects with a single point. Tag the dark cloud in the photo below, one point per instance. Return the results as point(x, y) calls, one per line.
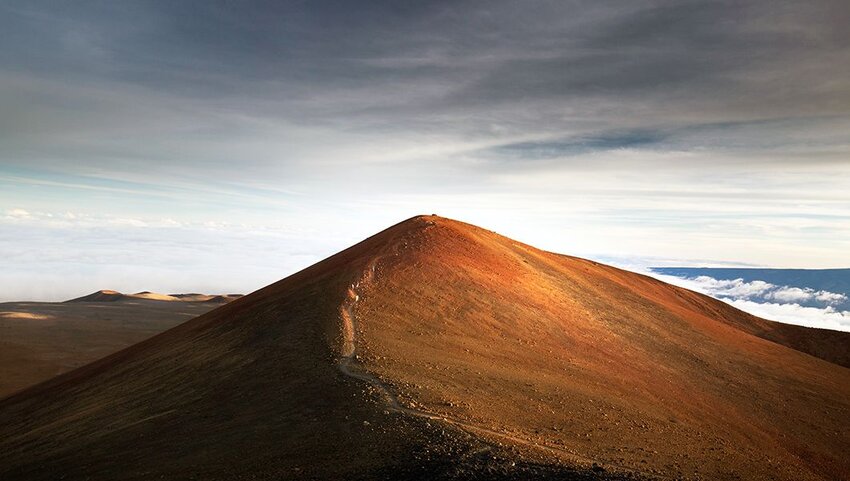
point(566, 148)
point(576, 73)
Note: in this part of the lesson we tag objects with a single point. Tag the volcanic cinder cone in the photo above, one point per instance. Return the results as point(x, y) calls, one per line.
point(439, 350)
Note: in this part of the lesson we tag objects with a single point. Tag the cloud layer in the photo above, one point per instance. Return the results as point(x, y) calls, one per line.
point(59, 256)
point(740, 289)
point(789, 304)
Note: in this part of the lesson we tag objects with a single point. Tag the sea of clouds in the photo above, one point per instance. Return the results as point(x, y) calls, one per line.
point(789, 304)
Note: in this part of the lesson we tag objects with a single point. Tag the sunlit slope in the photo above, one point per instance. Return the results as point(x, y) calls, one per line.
point(610, 365)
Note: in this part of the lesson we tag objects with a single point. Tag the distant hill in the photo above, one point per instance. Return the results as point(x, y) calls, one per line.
point(438, 350)
point(113, 296)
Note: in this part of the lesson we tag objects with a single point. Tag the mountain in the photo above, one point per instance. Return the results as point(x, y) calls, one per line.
point(439, 350)
point(104, 295)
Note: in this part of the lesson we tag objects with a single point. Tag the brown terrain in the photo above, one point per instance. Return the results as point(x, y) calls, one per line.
point(439, 350)
point(39, 340)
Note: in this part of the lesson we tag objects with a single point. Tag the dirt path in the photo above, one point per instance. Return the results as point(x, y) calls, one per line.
point(348, 365)
point(348, 362)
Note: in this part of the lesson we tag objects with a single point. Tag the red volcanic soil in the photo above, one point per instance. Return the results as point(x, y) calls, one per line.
point(439, 350)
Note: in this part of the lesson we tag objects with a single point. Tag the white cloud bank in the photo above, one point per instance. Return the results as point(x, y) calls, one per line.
point(740, 289)
point(770, 301)
point(54, 256)
point(793, 313)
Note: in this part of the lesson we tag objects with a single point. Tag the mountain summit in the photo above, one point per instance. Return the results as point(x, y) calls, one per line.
point(440, 350)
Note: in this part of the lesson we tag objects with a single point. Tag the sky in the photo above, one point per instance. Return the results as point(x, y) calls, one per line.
point(219, 146)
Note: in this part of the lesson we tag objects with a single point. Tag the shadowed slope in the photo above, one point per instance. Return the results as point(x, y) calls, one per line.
point(39, 340)
point(230, 391)
point(248, 388)
point(556, 359)
point(832, 346)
